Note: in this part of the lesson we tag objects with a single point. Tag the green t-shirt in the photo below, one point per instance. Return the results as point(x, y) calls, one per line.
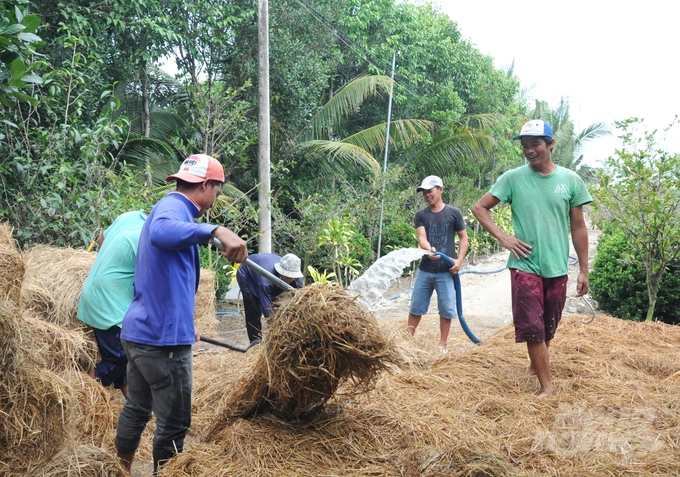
point(108, 291)
point(540, 215)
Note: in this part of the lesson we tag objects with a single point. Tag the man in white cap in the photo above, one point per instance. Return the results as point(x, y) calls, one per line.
point(547, 203)
point(158, 328)
point(259, 293)
point(437, 226)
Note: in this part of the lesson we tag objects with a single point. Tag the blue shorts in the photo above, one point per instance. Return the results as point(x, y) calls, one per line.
point(426, 283)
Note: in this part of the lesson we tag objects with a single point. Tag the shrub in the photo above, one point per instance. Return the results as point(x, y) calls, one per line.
point(619, 285)
point(396, 235)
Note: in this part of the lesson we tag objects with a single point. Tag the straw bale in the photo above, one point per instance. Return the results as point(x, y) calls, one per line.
point(204, 312)
point(81, 460)
point(318, 338)
point(35, 416)
point(12, 266)
point(60, 274)
point(11, 327)
point(615, 412)
point(62, 348)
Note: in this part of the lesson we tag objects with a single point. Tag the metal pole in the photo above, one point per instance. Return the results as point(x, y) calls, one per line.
point(263, 196)
point(387, 144)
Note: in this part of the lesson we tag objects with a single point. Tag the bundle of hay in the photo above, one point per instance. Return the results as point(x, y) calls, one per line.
point(62, 349)
point(319, 337)
point(80, 460)
point(204, 312)
point(12, 267)
point(59, 273)
point(35, 416)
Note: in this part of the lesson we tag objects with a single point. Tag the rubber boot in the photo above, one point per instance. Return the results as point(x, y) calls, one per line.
point(160, 457)
point(126, 461)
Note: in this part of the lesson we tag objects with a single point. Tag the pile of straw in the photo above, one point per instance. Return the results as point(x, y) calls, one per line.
point(319, 337)
point(204, 312)
point(11, 267)
point(53, 283)
point(44, 417)
point(615, 412)
point(62, 349)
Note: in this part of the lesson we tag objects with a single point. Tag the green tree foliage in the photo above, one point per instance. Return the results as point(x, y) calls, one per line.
point(18, 42)
point(638, 194)
point(618, 283)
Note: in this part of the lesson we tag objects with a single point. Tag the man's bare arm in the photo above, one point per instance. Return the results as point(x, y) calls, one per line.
point(481, 210)
point(579, 237)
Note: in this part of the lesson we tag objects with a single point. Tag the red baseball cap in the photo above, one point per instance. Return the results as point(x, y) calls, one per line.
point(198, 168)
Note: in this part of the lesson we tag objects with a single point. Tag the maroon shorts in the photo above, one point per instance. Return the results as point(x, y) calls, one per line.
point(537, 305)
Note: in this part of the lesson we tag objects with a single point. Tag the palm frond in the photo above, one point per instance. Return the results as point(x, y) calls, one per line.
point(403, 133)
point(448, 150)
point(329, 154)
point(343, 104)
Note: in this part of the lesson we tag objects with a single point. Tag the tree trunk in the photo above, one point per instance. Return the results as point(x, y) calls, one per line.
point(653, 282)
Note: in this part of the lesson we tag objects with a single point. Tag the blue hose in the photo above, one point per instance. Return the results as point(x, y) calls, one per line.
point(459, 299)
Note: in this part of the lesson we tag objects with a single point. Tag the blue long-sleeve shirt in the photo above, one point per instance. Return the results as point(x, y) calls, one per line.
point(260, 287)
point(167, 273)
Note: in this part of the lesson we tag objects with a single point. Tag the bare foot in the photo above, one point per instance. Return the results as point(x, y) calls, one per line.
point(544, 393)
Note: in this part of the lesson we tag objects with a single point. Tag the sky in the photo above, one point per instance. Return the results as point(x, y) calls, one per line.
point(611, 60)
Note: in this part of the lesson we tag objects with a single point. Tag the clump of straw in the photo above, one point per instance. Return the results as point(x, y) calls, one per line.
point(319, 337)
point(204, 312)
point(12, 267)
point(81, 460)
point(59, 274)
point(60, 348)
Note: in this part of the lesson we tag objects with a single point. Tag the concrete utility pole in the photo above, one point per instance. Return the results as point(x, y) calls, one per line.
point(263, 196)
point(387, 147)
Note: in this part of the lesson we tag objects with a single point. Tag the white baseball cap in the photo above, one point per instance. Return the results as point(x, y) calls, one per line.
point(289, 266)
point(535, 127)
point(429, 182)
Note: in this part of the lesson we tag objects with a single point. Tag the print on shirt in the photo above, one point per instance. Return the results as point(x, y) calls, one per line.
point(438, 234)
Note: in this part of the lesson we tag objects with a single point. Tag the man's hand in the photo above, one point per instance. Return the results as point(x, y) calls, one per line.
point(582, 284)
point(236, 248)
point(457, 263)
point(518, 248)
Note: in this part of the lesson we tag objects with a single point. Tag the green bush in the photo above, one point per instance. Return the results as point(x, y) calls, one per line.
point(224, 271)
point(360, 249)
point(396, 235)
point(620, 288)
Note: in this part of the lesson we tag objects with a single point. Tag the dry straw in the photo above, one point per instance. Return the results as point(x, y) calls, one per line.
point(62, 349)
point(59, 275)
point(319, 337)
point(81, 460)
point(12, 267)
point(204, 312)
point(616, 412)
point(35, 415)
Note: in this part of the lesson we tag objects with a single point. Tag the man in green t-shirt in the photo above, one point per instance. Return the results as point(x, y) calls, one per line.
point(107, 294)
point(547, 204)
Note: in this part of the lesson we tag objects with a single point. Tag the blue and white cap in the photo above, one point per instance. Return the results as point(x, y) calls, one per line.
point(535, 127)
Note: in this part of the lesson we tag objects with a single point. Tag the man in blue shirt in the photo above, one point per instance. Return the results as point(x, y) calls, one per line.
point(258, 292)
point(158, 328)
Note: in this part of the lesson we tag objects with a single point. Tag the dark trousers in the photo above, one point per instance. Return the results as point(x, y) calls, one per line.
point(253, 312)
point(159, 381)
